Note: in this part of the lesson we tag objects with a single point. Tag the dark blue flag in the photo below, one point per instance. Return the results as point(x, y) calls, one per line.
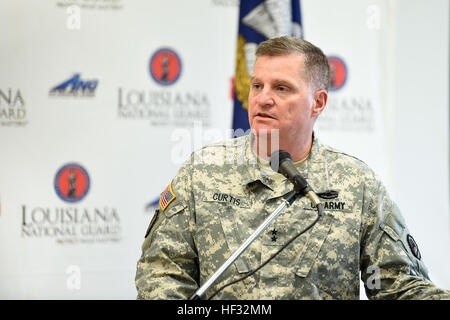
point(259, 20)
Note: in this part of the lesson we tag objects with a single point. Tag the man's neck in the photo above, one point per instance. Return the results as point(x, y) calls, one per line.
point(264, 146)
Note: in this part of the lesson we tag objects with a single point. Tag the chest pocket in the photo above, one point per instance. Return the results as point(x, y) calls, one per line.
point(231, 208)
point(300, 255)
point(316, 238)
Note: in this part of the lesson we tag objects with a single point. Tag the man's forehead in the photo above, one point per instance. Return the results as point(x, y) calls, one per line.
point(288, 64)
point(291, 59)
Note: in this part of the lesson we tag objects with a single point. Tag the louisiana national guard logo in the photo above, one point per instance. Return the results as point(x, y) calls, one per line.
point(72, 182)
point(338, 73)
point(165, 66)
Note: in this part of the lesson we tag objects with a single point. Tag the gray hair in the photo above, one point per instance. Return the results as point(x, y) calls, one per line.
point(317, 70)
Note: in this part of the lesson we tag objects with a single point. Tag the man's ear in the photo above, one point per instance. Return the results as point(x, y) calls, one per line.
point(319, 102)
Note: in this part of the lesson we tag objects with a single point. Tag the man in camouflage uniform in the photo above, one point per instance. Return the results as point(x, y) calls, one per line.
point(225, 191)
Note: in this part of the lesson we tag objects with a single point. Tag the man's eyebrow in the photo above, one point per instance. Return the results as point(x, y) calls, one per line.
point(276, 81)
point(282, 82)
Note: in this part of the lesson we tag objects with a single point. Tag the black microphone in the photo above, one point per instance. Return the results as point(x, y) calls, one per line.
point(281, 162)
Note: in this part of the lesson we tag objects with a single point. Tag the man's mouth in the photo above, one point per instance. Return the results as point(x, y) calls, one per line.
point(264, 115)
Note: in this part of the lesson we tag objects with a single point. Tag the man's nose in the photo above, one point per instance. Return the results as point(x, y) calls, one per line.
point(265, 98)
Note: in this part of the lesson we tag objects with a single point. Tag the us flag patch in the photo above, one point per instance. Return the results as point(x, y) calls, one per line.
point(166, 197)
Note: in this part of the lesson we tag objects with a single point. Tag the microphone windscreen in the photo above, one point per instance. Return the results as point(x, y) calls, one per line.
point(278, 157)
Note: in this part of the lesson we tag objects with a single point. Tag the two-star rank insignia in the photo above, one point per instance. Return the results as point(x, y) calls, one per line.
point(274, 235)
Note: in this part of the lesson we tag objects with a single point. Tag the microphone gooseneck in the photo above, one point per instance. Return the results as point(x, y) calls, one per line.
point(281, 162)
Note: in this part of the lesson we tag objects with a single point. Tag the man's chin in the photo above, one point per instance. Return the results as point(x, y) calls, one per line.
point(264, 130)
point(268, 134)
point(267, 140)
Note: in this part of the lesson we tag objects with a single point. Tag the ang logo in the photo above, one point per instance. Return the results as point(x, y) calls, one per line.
point(165, 66)
point(72, 183)
point(338, 73)
point(152, 205)
point(74, 86)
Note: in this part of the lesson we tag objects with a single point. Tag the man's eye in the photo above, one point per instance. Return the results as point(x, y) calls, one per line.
point(282, 89)
point(256, 86)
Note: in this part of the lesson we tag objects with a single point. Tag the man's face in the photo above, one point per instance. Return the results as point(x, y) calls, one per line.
point(280, 98)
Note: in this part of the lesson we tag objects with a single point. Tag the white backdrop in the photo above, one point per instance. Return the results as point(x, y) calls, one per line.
point(130, 137)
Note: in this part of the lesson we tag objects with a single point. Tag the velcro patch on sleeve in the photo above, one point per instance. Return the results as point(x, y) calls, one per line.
point(166, 197)
point(152, 222)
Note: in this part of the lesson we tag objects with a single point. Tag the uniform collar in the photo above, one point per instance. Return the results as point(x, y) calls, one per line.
point(256, 173)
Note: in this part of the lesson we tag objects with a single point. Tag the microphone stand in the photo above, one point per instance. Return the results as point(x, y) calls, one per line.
point(288, 199)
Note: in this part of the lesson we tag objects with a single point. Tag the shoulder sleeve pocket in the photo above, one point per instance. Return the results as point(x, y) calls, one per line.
point(395, 228)
point(158, 219)
point(390, 231)
point(174, 209)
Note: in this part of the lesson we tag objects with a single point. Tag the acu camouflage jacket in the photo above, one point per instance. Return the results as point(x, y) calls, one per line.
point(222, 194)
